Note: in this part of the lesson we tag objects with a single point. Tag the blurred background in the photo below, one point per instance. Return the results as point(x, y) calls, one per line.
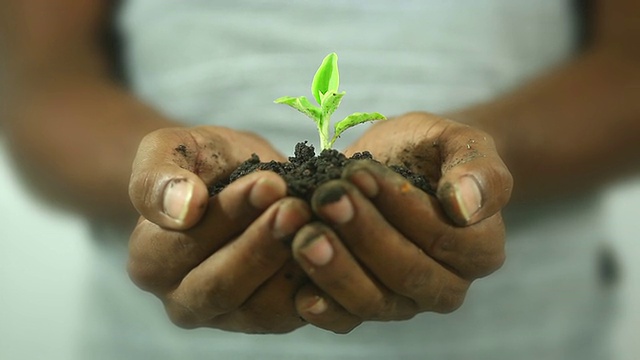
point(42, 272)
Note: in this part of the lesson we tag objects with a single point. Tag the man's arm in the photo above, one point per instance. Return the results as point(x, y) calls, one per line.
point(580, 125)
point(72, 129)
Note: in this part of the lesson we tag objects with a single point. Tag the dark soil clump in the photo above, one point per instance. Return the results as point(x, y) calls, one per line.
point(305, 171)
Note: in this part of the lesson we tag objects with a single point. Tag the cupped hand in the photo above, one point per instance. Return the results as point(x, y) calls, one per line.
point(462, 163)
point(174, 167)
point(388, 251)
point(226, 261)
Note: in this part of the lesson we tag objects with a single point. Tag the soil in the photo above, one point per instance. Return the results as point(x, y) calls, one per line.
point(306, 171)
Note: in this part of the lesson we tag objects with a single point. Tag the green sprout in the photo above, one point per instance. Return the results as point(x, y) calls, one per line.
point(325, 90)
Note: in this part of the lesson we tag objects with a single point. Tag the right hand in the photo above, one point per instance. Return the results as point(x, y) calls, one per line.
point(219, 262)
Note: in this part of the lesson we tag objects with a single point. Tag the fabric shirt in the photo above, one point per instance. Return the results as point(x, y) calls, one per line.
point(224, 62)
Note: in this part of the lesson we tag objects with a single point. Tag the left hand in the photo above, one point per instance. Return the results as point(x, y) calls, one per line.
point(391, 251)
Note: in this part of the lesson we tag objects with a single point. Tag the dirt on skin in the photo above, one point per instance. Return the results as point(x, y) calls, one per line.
point(305, 172)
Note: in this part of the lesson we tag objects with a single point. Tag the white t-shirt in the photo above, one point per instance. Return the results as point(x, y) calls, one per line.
point(224, 62)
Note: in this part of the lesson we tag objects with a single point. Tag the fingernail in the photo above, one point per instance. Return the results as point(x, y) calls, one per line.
point(318, 306)
point(263, 193)
point(318, 251)
point(468, 196)
point(336, 205)
point(177, 196)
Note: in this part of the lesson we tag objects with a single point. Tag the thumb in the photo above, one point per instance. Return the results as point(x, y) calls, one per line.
point(475, 183)
point(167, 186)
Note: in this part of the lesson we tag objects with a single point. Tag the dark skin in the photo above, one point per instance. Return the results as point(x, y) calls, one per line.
point(56, 76)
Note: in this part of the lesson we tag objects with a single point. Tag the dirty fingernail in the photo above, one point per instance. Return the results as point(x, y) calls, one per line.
point(318, 306)
point(318, 251)
point(177, 196)
point(336, 205)
point(468, 196)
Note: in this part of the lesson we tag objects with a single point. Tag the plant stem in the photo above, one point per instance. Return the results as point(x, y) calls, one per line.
point(323, 130)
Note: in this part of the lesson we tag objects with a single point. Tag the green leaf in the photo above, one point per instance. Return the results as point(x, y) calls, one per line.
point(353, 120)
point(303, 105)
point(327, 78)
point(330, 102)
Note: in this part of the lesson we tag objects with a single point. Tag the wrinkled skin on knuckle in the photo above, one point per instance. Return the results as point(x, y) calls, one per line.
point(144, 265)
point(414, 278)
point(400, 308)
point(339, 283)
point(196, 307)
point(499, 183)
point(491, 259)
point(141, 189)
point(490, 264)
point(373, 309)
point(450, 299)
point(264, 314)
point(217, 298)
point(144, 276)
point(258, 260)
point(443, 242)
point(181, 317)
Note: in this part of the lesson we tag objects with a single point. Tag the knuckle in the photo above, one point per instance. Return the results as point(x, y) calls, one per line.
point(141, 274)
point(278, 319)
point(500, 259)
point(141, 268)
point(259, 261)
point(490, 257)
point(414, 279)
point(374, 309)
point(190, 309)
point(451, 304)
point(218, 298)
point(450, 299)
point(493, 263)
point(142, 190)
point(182, 317)
point(148, 265)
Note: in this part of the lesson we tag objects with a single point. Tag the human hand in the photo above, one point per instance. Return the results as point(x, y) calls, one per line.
point(223, 262)
point(462, 163)
point(391, 251)
point(174, 166)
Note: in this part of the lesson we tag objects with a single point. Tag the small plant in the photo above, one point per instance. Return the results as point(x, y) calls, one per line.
point(325, 90)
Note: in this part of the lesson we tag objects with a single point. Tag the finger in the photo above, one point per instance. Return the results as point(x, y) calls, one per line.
point(317, 308)
point(170, 174)
point(475, 182)
point(472, 251)
point(226, 279)
point(334, 270)
point(397, 262)
point(159, 258)
point(270, 309)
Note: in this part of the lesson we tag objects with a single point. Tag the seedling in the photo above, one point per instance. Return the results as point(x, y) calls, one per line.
point(325, 90)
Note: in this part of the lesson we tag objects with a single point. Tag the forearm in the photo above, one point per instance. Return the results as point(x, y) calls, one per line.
point(570, 130)
point(74, 136)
